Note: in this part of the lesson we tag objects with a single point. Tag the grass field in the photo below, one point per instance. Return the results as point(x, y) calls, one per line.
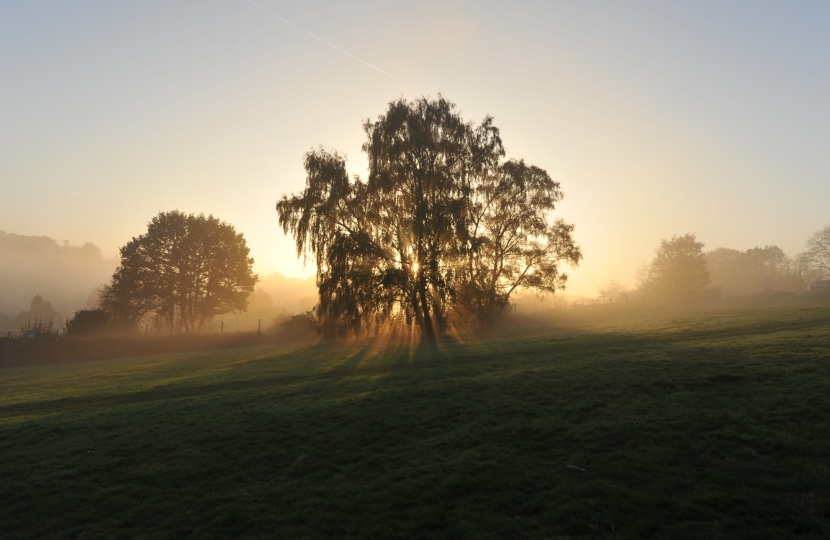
point(705, 423)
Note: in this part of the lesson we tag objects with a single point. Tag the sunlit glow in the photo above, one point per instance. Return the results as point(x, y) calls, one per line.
point(624, 119)
point(414, 267)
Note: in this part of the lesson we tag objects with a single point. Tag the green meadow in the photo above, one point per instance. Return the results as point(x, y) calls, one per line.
point(708, 422)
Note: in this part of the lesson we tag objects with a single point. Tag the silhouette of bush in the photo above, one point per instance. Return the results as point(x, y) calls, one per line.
point(87, 321)
point(302, 325)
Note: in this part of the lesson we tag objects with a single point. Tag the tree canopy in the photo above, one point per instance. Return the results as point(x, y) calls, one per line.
point(441, 233)
point(185, 270)
point(678, 269)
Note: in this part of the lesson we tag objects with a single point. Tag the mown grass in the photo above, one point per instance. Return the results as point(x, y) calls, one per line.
point(705, 423)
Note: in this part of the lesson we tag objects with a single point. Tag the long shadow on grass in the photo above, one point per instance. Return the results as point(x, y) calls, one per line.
point(318, 354)
point(367, 359)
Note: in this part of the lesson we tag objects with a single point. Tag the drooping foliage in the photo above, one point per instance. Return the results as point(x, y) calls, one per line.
point(441, 232)
point(185, 270)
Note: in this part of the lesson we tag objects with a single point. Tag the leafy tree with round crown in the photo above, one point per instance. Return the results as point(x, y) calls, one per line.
point(186, 269)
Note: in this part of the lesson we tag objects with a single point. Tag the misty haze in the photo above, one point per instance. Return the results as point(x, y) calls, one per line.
point(414, 270)
point(70, 278)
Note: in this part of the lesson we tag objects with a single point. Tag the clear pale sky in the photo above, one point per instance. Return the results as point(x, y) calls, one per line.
point(658, 118)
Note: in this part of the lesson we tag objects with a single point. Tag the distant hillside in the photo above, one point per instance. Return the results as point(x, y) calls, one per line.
point(61, 274)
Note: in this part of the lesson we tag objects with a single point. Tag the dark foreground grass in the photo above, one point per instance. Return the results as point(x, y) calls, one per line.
point(702, 424)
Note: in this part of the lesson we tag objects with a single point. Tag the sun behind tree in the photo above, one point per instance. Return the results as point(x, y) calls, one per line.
point(441, 233)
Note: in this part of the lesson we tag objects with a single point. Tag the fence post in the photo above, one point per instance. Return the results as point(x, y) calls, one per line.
point(146, 330)
point(221, 332)
point(258, 326)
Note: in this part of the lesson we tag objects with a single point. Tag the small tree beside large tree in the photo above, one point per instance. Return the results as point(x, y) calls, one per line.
point(186, 269)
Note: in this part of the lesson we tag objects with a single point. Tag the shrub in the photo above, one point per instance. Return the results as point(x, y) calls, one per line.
point(87, 321)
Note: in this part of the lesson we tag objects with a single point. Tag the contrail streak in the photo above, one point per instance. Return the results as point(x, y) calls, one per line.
point(83, 193)
point(332, 45)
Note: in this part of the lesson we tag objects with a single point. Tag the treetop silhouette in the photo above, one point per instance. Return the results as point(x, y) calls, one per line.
point(185, 270)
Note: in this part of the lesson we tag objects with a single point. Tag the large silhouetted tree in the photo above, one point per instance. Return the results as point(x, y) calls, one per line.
point(442, 231)
point(186, 270)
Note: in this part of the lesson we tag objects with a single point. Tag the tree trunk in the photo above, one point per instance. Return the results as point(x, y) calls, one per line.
point(427, 327)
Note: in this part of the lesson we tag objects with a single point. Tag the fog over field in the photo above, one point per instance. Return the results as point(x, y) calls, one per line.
point(63, 274)
point(456, 269)
point(69, 277)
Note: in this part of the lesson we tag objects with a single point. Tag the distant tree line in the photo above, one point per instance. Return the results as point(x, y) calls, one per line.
point(681, 270)
point(441, 234)
point(755, 270)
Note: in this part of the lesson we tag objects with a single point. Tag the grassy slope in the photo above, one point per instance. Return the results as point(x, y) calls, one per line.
point(704, 424)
